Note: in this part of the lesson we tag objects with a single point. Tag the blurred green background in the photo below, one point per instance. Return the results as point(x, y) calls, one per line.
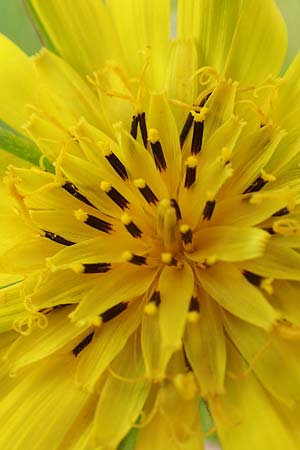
point(16, 25)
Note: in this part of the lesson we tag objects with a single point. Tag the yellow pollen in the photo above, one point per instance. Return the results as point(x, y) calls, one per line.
point(186, 385)
point(166, 257)
point(139, 183)
point(150, 309)
point(184, 228)
point(201, 115)
point(267, 176)
point(77, 267)
point(127, 256)
point(81, 215)
point(210, 196)
point(211, 260)
point(153, 135)
point(286, 226)
point(105, 186)
point(225, 155)
point(125, 219)
point(266, 285)
point(193, 316)
point(96, 321)
point(191, 162)
point(105, 148)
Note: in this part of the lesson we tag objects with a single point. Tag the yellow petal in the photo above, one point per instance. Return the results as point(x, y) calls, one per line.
point(231, 290)
point(17, 83)
point(108, 341)
point(176, 289)
point(204, 343)
point(41, 424)
point(229, 243)
point(259, 43)
point(84, 43)
point(246, 418)
point(121, 402)
point(268, 355)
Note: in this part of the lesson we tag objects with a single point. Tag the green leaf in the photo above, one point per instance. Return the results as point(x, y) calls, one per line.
point(42, 33)
point(129, 441)
point(22, 147)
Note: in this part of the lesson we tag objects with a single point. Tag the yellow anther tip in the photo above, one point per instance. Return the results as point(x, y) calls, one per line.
point(193, 317)
point(139, 183)
point(77, 267)
point(211, 260)
point(186, 385)
point(104, 148)
point(150, 309)
point(191, 161)
point(105, 186)
point(96, 321)
point(80, 215)
point(166, 258)
point(125, 219)
point(127, 256)
point(201, 115)
point(184, 228)
point(153, 135)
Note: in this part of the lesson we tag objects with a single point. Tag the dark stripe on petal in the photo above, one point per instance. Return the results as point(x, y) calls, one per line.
point(256, 186)
point(190, 177)
point(113, 312)
point(99, 224)
point(194, 304)
point(138, 260)
point(133, 230)
point(56, 238)
point(253, 278)
point(176, 207)
point(197, 137)
point(186, 129)
point(96, 267)
point(148, 195)
point(73, 190)
point(155, 298)
point(143, 128)
point(83, 344)
point(209, 209)
point(117, 198)
point(158, 155)
point(117, 165)
point(281, 212)
point(134, 126)
point(187, 236)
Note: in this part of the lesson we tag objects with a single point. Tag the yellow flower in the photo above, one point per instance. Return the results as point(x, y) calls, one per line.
point(160, 262)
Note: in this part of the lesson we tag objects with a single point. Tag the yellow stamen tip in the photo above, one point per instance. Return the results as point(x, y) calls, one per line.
point(96, 321)
point(80, 215)
point(266, 285)
point(139, 183)
point(201, 115)
point(150, 309)
point(125, 219)
point(268, 176)
point(193, 317)
point(77, 267)
point(127, 256)
point(186, 385)
point(105, 186)
point(184, 228)
point(153, 135)
point(166, 258)
point(211, 260)
point(104, 148)
point(191, 162)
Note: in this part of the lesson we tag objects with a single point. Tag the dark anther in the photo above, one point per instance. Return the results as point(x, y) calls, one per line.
point(197, 137)
point(186, 235)
point(256, 186)
point(117, 165)
point(158, 155)
point(61, 306)
point(190, 176)
point(99, 224)
point(114, 311)
point(83, 344)
point(118, 198)
point(175, 205)
point(73, 190)
point(96, 267)
point(148, 195)
point(186, 128)
point(133, 229)
point(138, 260)
point(208, 209)
point(281, 212)
point(155, 298)
point(56, 238)
point(134, 126)
point(252, 278)
point(269, 230)
point(143, 128)
point(194, 304)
